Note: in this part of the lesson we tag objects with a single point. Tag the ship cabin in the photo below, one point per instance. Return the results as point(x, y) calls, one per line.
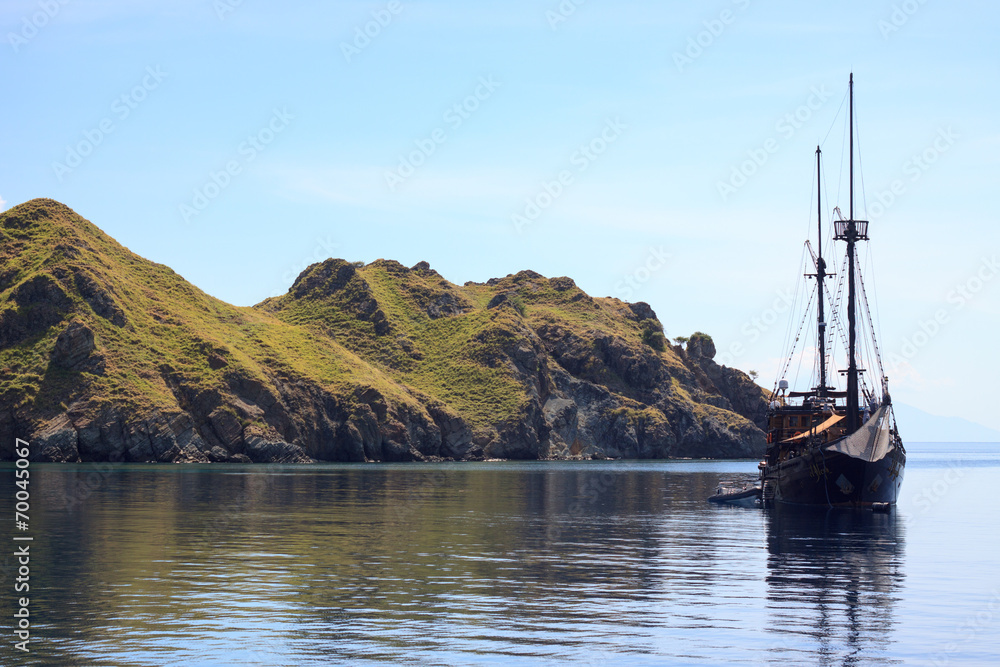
point(816, 419)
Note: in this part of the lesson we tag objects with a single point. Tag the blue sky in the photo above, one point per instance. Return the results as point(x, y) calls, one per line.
point(239, 141)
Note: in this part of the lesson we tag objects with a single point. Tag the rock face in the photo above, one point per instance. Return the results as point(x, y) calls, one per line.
point(700, 346)
point(741, 394)
point(34, 305)
point(648, 417)
point(73, 346)
point(108, 357)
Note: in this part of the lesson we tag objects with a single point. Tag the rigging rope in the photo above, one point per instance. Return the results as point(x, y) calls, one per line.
point(834, 122)
point(867, 354)
point(792, 308)
point(835, 312)
point(861, 168)
point(835, 304)
point(798, 335)
point(871, 326)
point(840, 174)
point(878, 316)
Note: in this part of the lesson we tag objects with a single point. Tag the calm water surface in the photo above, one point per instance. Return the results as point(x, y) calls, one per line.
point(502, 563)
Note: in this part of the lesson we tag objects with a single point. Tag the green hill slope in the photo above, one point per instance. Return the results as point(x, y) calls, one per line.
point(107, 356)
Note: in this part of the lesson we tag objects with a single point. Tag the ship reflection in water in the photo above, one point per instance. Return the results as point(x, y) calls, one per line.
point(833, 580)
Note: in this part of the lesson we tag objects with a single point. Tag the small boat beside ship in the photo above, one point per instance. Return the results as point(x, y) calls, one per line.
point(830, 446)
point(745, 496)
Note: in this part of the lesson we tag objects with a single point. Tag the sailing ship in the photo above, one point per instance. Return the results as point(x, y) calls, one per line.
point(830, 447)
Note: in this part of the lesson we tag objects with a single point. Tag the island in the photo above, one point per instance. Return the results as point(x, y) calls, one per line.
point(106, 356)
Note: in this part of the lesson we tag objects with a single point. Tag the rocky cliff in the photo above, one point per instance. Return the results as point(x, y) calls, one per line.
point(107, 356)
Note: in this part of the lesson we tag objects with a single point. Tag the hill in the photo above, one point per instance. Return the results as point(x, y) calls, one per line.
point(920, 426)
point(108, 356)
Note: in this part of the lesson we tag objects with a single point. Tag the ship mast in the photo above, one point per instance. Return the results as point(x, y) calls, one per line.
point(820, 275)
point(852, 231)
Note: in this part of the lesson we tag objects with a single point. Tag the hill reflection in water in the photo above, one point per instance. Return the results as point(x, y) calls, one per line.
point(509, 563)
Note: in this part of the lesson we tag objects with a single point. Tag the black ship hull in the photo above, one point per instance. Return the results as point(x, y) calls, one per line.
point(830, 478)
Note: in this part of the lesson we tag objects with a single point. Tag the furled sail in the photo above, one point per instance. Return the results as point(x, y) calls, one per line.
point(869, 443)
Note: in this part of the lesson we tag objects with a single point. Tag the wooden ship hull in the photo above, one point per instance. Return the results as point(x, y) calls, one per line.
point(849, 472)
point(836, 480)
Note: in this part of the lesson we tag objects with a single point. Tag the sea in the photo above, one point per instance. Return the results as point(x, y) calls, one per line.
point(498, 563)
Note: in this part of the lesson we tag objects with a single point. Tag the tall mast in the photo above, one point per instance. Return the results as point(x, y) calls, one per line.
point(852, 231)
point(820, 275)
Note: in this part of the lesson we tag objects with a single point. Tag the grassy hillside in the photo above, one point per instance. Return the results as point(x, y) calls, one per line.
point(105, 354)
point(147, 319)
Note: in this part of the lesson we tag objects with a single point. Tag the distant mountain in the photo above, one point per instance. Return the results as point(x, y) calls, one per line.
point(108, 356)
point(915, 425)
